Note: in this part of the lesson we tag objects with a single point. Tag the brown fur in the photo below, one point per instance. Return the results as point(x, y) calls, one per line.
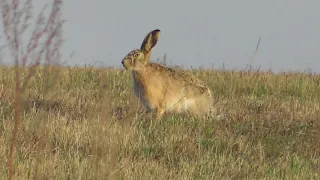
point(163, 89)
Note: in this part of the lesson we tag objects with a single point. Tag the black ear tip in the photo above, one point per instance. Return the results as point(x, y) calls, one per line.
point(156, 30)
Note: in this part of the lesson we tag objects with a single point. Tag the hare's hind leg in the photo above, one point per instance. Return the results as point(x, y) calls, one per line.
point(201, 106)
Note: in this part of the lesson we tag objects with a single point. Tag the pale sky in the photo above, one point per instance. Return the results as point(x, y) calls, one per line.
point(196, 33)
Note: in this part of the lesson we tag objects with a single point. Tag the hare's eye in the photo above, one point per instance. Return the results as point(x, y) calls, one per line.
point(136, 55)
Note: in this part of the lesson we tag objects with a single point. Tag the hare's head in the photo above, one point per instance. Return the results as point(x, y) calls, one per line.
point(138, 58)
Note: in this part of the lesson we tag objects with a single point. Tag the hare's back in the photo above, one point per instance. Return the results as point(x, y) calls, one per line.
point(178, 78)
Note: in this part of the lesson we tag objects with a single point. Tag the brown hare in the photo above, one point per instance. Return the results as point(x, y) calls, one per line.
point(162, 89)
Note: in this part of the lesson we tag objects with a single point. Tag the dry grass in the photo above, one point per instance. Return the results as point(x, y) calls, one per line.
point(87, 124)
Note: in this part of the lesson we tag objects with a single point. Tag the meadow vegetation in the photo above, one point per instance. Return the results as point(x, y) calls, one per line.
point(86, 123)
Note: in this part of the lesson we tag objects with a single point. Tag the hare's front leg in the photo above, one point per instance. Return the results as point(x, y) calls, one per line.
point(159, 114)
point(160, 111)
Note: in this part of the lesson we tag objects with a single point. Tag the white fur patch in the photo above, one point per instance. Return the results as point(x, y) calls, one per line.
point(188, 103)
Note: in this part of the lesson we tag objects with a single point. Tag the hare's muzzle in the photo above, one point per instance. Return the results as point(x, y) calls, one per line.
point(124, 62)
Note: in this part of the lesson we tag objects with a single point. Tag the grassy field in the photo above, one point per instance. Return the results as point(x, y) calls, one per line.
point(85, 123)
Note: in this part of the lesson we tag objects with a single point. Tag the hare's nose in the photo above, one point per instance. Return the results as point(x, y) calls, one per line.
point(123, 61)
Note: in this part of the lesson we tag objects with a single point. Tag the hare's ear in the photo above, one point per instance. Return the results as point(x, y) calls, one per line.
point(150, 40)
